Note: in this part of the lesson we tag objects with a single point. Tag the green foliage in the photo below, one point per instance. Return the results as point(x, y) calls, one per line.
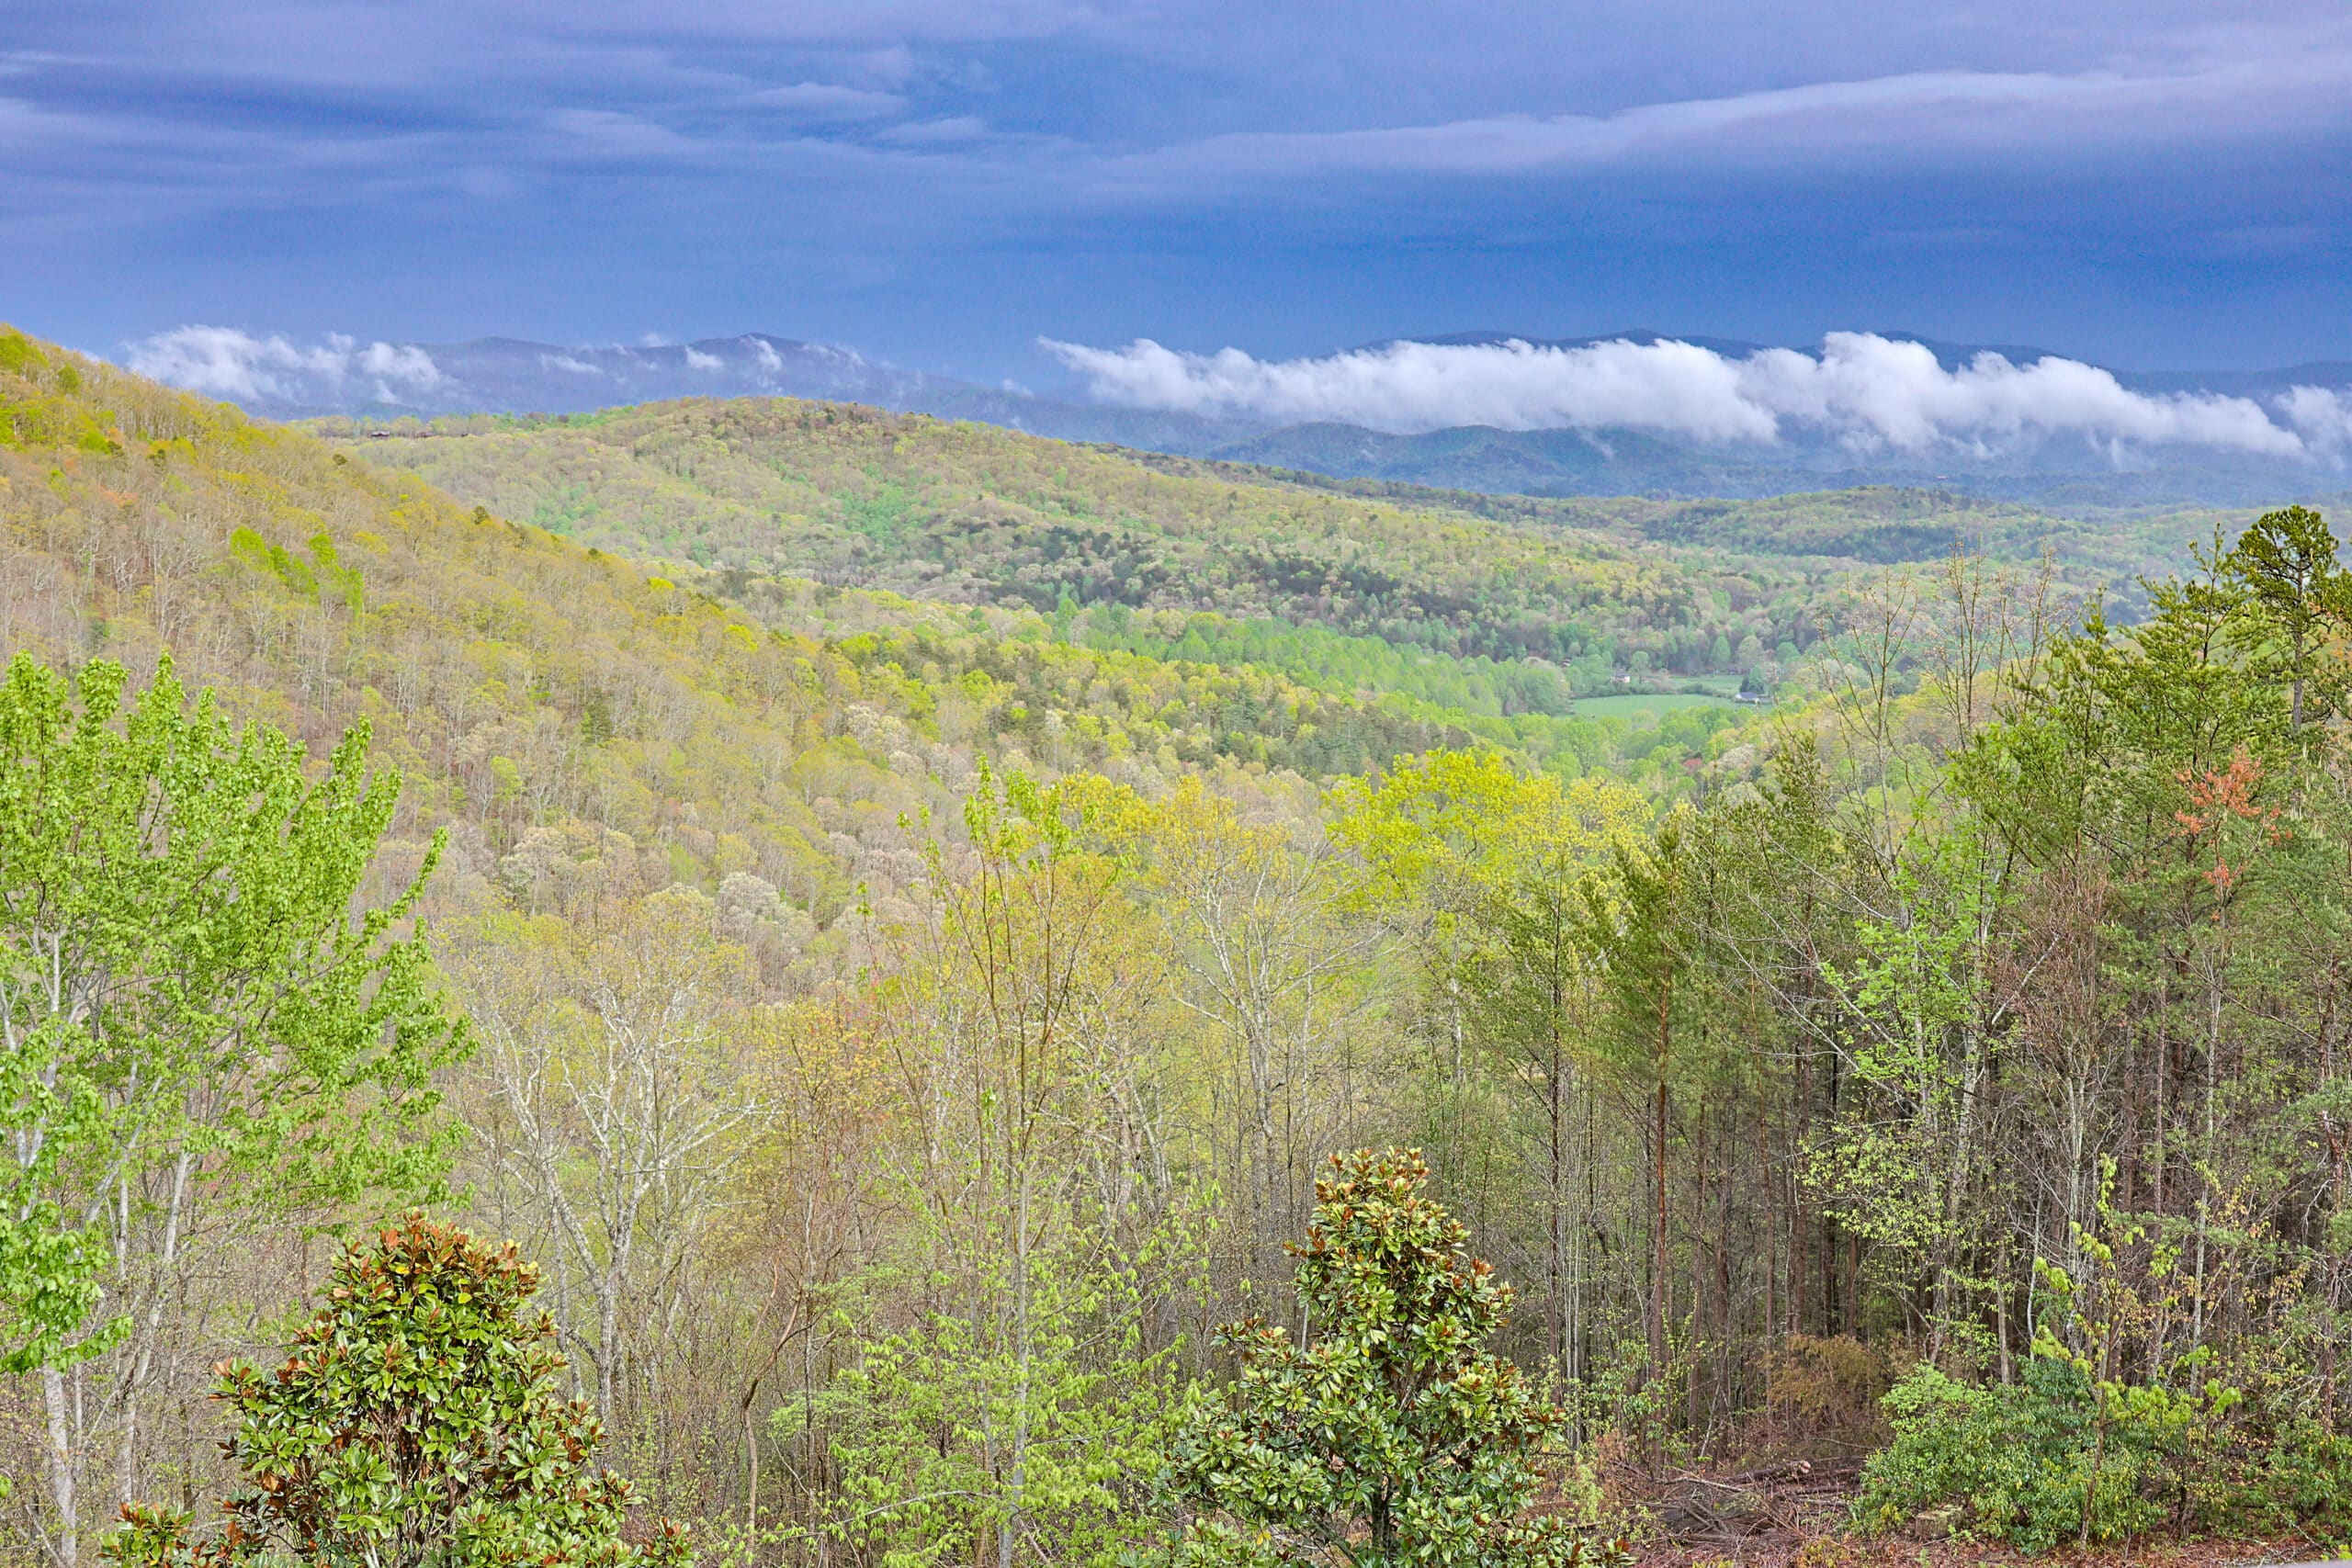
point(2115, 1428)
point(2286, 564)
point(414, 1423)
point(522, 681)
point(920, 1427)
point(1390, 1418)
point(38, 406)
point(2027, 1459)
point(961, 511)
point(182, 985)
point(1830, 1056)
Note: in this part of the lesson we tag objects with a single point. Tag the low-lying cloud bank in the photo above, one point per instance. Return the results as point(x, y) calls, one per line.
point(1869, 392)
point(239, 367)
point(271, 373)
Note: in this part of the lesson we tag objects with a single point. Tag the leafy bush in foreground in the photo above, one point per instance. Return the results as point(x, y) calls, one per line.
point(2114, 1430)
point(1392, 1436)
point(414, 1425)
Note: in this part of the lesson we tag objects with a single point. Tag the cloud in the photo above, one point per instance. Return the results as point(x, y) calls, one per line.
point(825, 101)
point(944, 132)
point(223, 362)
point(2322, 414)
point(2206, 96)
point(1869, 392)
point(608, 134)
point(698, 360)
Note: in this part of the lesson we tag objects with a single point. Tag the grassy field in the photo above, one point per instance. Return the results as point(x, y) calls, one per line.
point(1630, 705)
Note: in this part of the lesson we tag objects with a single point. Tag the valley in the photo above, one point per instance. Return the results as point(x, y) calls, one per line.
point(911, 927)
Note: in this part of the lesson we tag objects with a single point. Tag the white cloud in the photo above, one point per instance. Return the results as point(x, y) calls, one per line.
point(609, 133)
point(2209, 97)
point(2322, 414)
point(698, 360)
point(223, 362)
point(1867, 391)
point(405, 362)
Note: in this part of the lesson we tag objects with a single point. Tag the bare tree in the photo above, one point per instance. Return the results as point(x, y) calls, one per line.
point(614, 1067)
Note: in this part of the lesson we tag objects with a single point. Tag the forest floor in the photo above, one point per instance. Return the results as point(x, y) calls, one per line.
point(1794, 1549)
point(1796, 1516)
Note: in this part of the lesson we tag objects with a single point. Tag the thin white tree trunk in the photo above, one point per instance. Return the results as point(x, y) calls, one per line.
point(67, 1540)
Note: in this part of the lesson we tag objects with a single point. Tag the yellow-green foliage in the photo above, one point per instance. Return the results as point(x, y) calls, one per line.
point(39, 408)
point(971, 513)
point(524, 681)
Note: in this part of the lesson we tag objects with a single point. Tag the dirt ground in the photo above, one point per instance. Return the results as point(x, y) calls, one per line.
point(1790, 1549)
point(1795, 1516)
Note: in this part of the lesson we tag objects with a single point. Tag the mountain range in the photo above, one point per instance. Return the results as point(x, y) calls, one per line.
point(507, 376)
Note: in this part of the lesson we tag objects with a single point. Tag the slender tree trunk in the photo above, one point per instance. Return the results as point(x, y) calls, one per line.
point(1693, 1378)
point(1800, 1250)
point(142, 1366)
point(61, 1466)
point(1017, 1475)
point(1556, 1238)
point(1658, 1235)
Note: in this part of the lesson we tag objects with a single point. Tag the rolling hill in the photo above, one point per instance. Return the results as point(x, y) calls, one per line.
point(1589, 587)
point(385, 381)
point(568, 711)
point(967, 513)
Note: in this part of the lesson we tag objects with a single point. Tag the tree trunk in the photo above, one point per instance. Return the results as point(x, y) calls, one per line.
point(61, 1466)
point(1658, 1238)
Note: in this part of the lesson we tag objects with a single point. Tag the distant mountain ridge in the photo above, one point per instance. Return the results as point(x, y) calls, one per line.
point(500, 375)
point(505, 376)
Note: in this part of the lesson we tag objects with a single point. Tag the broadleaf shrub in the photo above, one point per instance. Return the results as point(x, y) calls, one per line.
point(414, 1424)
point(1393, 1435)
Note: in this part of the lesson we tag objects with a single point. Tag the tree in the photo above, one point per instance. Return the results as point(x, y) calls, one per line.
point(1256, 915)
point(194, 1023)
point(1536, 992)
point(1389, 1417)
point(1485, 868)
point(1639, 923)
point(925, 1427)
point(414, 1423)
point(2286, 564)
point(1017, 1028)
point(617, 1054)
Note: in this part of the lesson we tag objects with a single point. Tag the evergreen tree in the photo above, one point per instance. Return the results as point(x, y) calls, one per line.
point(1388, 1433)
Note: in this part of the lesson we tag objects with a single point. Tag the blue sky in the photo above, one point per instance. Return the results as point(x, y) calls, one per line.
point(2146, 183)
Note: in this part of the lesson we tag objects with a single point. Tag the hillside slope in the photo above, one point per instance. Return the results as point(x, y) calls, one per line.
point(563, 707)
point(1864, 524)
point(976, 515)
point(972, 514)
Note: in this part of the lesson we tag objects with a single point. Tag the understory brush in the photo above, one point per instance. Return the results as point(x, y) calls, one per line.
point(2125, 1418)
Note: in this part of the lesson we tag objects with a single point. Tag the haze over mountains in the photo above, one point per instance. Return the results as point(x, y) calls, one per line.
point(1636, 412)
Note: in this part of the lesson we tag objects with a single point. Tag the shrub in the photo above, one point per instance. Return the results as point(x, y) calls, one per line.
point(2125, 1422)
point(2027, 1459)
point(414, 1423)
point(1393, 1435)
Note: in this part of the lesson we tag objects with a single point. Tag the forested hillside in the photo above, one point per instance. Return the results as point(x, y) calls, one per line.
point(856, 495)
point(968, 513)
point(902, 1030)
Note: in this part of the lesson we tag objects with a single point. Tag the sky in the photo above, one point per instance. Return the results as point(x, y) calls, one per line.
point(960, 184)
